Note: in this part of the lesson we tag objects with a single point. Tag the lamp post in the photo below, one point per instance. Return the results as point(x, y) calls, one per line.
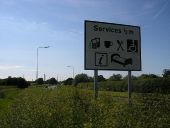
point(72, 69)
point(37, 60)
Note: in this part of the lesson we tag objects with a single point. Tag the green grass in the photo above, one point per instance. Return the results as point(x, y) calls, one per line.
point(6, 87)
point(7, 96)
point(69, 107)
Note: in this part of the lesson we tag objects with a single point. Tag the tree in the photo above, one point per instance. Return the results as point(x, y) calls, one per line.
point(148, 76)
point(101, 78)
point(2, 82)
point(132, 77)
point(11, 81)
point(81, 78)
point(68, 81)
point(91, 79)
point(52, 81)
point(166, 72)
point(39, 81)
point(115, 77)
point(19, 82)
point(22, 83)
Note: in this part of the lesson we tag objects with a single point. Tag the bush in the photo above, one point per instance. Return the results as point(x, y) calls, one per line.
point(144, 85)
point(22, 83)
point(39, 81)
point(81, 78)
point(19, 82)
point(151, 85)
point(101, 78)
point(166, 72)
point(68, 81)
point(52, 81)
point(115, 77)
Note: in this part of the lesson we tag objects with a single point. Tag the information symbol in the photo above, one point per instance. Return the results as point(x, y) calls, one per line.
point(101, 59)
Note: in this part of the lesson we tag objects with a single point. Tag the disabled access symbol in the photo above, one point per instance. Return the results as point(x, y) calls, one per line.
point(132, 45)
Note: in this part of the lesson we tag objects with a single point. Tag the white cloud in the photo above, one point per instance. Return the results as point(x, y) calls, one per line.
point(16, 68)
point(10, 67)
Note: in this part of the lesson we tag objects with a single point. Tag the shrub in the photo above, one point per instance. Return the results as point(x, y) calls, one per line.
point(52, 81)
point(22, 83)
point(81, 78)
point(68, 81)
point(39, 81)
point(19, 82)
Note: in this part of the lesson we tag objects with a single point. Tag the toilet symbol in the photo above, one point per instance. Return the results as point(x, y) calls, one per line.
point(101, 59)
point(120, 45)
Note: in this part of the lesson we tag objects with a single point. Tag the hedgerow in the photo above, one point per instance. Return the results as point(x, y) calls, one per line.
point(147, 85)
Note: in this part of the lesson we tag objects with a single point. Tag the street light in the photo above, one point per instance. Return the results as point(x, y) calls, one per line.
point(37, 60)
point(73, 70)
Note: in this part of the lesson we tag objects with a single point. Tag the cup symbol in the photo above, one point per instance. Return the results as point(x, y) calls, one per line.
point(107, 44)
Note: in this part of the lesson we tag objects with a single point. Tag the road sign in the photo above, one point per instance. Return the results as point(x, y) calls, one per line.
point(110, 46)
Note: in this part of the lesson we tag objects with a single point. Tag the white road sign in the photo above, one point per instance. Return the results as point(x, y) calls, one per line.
point(110, 46)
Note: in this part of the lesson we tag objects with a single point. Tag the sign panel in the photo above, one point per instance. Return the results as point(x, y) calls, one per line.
point(111, 46)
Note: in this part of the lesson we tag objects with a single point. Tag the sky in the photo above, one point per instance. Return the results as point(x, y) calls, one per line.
point(26, 25)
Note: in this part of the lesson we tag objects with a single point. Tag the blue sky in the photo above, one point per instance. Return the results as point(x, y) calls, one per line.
point(28, 24)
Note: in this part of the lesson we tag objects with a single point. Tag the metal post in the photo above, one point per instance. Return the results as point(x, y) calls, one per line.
point(95, 84)
point(73, 82)
point(129, 87)
point(37, 66)
point(44, 77)
point(37, 59)
point(73, 72)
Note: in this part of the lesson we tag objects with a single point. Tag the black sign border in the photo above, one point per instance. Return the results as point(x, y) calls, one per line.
point(111, 24)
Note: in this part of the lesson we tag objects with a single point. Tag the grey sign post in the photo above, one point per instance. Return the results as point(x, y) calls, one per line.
point(110, 46)
point(129, 88)
point(95, 84)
